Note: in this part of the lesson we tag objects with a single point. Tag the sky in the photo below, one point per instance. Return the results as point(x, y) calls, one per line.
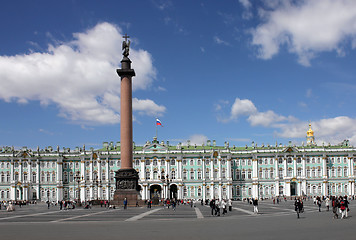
point(236, 71)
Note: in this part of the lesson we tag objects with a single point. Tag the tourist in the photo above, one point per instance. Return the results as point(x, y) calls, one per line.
point(342, 208)
point(229, 204)
point(298, 206)
point(223, 206)
point(327, 203)
point(212, 206)
point(318, 202)
point(335, 204)
point(125, 203)
point(217, 207)
point(255, 205)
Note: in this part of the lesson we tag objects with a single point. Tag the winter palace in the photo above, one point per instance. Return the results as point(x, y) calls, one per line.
point(182, 171)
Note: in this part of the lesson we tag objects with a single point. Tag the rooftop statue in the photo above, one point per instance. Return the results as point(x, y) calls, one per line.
point(126, 46)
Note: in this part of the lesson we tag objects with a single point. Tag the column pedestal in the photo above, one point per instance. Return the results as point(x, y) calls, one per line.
point(126, 187)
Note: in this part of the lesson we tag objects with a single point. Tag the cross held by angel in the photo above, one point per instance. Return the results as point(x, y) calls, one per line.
point(126, 46)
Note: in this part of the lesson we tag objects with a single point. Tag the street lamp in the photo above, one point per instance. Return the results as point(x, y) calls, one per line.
point(167, 181)
point(78, 179)
point(97, 183)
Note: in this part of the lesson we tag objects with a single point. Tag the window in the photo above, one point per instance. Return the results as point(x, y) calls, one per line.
point(237, 174)
point(319, 172)
point(147, 174)
point(199, 192)
point(148, 162)
point(48, 177)
point(271, 174)
point(53, 177)
point(207, 173)
point(289, 172)
point(280, 160)
point(191, 162)
point(199, 174)
point(192, 174)
point(249, 162)
point(173, 162)
point(260, 173)
point(280, 173)
point(243, 175)
point(308, 173)
point(184, 162)
point(155, 162)
point(260, 161)
point(118, 163)
point(2, 177)
point(184, 174)
point(223, 173)
point(173, 174)
point(289, 160)
point(215, 173)
point(137, 162)
point(249, 174)
point(65, 177)
point(299, 160)
point(299, 172)
point(345, 172)
point(34, 179)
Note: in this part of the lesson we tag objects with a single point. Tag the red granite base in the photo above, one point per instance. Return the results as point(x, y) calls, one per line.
point(131, 195)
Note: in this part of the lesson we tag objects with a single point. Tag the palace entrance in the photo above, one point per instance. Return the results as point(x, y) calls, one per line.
point(155, 194)
point(173, 190)
point(293, 188)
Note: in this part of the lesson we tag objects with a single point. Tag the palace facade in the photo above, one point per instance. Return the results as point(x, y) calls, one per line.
point(190, 171)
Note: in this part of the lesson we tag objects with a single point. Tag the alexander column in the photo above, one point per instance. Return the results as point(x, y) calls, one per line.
point(126, 177)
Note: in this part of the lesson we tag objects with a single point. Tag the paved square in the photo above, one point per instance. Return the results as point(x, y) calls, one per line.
point(274, 221)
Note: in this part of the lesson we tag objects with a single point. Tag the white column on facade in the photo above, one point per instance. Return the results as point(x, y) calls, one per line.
point(219, 168)
point(29, 174)
point(180, 196)
point(294, 166)
point(255, 177)
point(142, 169)
point(25, 193)
point(12, 171)
point(228, 168)
point(303, 167)
point(179, 167)
point(285, 167)
point(91, 170)
point(212, 170)
point(220, 191)
point(212, 191)
point(20, 171)
point(287, 188)
point(38, 177)
point(204, 192)
point(100, 178)
point(229, 191)
point(203, 167)
point(59, 179)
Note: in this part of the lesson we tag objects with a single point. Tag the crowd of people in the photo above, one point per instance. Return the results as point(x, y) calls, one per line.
point(220, 206)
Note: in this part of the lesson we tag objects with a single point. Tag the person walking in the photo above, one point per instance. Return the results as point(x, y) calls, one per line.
point(327, 203)
point(212, 206)
point(223, 206)
point(298, 206)
point(347, 206)
point(125, 203)
point(255, 205)
point(342, 208)
point(217, 208)
point(318, 202)
point(229, 204)
point(335, 204)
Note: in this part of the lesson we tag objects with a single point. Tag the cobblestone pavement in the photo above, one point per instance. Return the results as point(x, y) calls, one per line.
point(274, 221)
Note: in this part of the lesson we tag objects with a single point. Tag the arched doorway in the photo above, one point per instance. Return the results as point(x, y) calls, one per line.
point(155, 193)
point(293, 188)
point(173, 191)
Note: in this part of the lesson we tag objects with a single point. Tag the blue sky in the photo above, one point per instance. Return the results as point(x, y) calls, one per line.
point(237, 71)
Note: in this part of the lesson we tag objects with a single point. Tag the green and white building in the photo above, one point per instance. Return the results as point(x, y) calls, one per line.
point(184, 172)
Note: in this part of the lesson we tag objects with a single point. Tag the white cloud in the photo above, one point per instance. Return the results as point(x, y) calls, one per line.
point(329, 130)
point(242, 107)
point(78, 76)
point(306, 28)
point(198, 139)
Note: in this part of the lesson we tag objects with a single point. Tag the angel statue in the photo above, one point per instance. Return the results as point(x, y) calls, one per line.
point(126, 46)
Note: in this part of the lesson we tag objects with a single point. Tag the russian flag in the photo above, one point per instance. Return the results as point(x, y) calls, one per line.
point(158, 122)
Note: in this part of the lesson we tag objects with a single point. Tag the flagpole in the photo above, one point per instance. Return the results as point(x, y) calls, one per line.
point(156, 128)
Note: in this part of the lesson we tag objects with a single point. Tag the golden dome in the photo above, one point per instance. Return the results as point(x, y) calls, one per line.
point(310, 132)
